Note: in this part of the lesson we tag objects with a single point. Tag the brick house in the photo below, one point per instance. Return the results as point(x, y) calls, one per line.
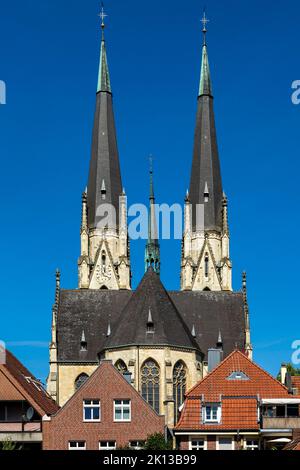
point(23, 403)
point(237, 406)
point(105, 413)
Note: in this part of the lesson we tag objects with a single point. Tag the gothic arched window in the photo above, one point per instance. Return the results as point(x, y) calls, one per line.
point(206, 265)
point(103, 260)
point(81, 379)
point(121, 366)
point(150, 375)
point(179, 386)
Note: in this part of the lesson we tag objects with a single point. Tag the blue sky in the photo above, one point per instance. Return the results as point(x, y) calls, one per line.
point(49, 60)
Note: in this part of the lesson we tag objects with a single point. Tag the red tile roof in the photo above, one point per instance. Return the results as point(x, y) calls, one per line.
point(296, 382)
point(27, 385)
point(239, 397)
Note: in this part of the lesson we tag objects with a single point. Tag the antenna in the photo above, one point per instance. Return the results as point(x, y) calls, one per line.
point(29, 413)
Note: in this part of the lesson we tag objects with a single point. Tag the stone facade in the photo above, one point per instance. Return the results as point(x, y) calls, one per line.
point(206, 261)
point(104, 260)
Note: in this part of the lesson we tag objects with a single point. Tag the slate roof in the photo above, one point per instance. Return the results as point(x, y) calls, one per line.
point(211, 312)
point(92, 311)
point(206, 171)
point(238, 397)
point(105, 171)
point(152, 299)
point(27, 386)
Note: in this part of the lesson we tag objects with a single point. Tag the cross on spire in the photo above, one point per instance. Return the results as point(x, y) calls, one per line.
point(102, 15)
point(204, 22)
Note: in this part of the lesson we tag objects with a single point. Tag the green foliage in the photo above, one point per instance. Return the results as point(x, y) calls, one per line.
point(291, 370)
point(157, 442)
point(8, 444)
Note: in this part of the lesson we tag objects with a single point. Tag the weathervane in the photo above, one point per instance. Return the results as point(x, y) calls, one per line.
point(102, 16)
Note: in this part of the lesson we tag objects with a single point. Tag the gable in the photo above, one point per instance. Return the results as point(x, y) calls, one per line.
point(104, 274)
point(106, 384)
point(259, 381)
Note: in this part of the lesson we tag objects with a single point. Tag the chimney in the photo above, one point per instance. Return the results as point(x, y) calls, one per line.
point(283, 372)
point(215, 357)
point(127, 376)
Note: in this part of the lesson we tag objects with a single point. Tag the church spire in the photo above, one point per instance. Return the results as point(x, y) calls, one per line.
point(206, 183)
point(105, 184)
point(205, 255)
point(103, 76)
point(205, 87)
point(152, 254)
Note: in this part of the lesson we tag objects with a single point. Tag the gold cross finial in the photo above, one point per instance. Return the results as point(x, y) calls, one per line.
point(102, 15)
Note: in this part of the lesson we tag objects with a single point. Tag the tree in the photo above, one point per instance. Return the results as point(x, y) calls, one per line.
point(291, 370)
point(157, 442)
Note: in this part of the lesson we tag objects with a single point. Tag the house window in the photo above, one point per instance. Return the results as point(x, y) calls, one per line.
point(212, 413)
point(251, 444)
point(122, 410)
point(198, 444)
point(150, 378)
point(91, 410)
point(77, 445)
point(292, 411)
point(179, 386)
point(81, 379)
point(107, 445)
point(136, 445)
point(225, 443)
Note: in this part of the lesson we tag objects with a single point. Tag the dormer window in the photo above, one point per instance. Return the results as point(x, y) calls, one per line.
point(150, 328)
point(83, 342)
point(211, 413)
point(103, 190)
point(206, 193)
point(150, 323)
point(238, 375)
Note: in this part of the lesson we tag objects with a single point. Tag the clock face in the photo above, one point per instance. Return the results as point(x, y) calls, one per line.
point(103, 273)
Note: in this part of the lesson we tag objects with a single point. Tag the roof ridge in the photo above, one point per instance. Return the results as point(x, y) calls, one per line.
point(210, 373)
point(163, 308)
point(239, 354)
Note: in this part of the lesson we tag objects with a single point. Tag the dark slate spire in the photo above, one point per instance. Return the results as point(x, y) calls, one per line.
point(206, 182)
point(152, 253)
point(167, 325)
point(105, 184)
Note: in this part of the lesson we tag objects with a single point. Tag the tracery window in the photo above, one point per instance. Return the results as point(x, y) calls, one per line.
point(150, 380)
point(81, 379)
point(121, 366)
point(179, 386)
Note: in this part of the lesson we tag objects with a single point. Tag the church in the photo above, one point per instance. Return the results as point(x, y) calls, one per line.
point(161, 339)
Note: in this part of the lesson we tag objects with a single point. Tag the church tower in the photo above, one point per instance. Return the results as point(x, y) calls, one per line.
point(206, 263)
point(104, 261)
